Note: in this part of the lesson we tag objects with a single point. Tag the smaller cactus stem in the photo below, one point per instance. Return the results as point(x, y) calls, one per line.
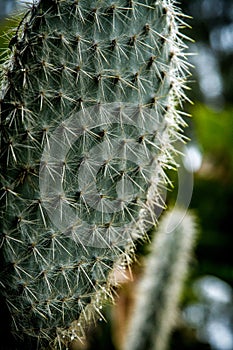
point(156, 306)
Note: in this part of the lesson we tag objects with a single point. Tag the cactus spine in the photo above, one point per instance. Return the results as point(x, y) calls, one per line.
point(155, 310)
point(68, 56)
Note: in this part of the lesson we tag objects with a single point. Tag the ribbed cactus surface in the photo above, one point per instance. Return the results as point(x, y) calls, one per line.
point(73, 62)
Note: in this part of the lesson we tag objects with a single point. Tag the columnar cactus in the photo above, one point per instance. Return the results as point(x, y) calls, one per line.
point(155, 315)
point(88, 123)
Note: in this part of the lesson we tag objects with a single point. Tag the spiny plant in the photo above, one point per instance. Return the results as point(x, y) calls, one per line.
point(88, 126)
point(154, 316)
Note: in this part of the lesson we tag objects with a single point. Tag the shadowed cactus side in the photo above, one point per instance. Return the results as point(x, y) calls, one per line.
point(74, 63)
point(154, 314)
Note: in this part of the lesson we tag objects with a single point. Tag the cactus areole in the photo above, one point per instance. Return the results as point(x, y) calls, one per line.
point(88, 126)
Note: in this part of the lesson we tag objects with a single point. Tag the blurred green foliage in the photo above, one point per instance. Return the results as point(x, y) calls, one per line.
point(7, 30)
point(214, 130)
point(4, 27)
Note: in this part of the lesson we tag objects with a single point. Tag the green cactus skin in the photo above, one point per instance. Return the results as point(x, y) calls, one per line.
point(157, 298)
point(66, 56)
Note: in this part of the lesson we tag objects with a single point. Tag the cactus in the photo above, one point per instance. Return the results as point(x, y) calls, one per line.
point(155, 311)
point(76, 68)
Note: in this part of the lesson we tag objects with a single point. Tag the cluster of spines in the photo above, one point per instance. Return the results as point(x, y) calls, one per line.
point(121, 51)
